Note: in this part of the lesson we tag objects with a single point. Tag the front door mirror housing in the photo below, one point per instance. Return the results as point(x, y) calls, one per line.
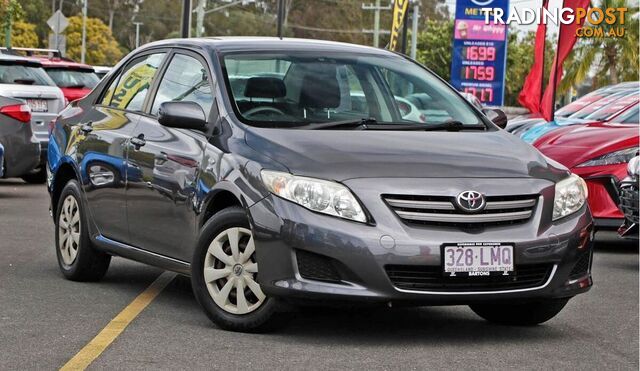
point(183, 115)
point(497, 116)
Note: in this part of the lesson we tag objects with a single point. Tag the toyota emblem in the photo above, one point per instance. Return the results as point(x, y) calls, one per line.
point(471, 201)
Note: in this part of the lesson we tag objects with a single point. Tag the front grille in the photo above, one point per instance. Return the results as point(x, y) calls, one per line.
point(582, 265)
point(317, 267)
point(441, 210)
point(432, 278)
point(629, 200)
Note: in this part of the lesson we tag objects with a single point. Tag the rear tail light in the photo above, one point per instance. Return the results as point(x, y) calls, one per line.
point(20, 112)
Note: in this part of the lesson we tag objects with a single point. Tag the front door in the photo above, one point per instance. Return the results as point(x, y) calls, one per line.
point(160, 204)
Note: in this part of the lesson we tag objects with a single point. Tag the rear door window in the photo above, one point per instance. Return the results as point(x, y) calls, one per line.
point(129, 90)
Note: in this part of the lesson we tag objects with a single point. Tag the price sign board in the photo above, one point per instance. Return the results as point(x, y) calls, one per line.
point(479, 51)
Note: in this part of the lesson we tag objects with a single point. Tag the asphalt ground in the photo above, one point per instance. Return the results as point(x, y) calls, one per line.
point(46, 320)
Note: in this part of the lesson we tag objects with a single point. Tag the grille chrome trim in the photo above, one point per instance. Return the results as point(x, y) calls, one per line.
point(547, 282)
point(515, 204)
point(464, 218)
point(413, 204)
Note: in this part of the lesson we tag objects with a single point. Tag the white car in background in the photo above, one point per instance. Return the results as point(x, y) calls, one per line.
point(23, 78)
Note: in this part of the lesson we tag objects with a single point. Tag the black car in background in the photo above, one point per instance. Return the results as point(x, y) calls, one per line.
point(629, 200)
point(291, 188)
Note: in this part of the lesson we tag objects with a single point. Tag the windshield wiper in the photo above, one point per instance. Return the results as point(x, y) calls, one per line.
point(359, 124)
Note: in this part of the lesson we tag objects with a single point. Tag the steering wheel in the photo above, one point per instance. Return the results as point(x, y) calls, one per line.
point(262, 110)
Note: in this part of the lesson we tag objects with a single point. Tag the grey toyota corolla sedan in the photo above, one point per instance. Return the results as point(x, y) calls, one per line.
point(256, 167)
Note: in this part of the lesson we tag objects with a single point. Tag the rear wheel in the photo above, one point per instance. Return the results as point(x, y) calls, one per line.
point(77, 259)
point(520, 314)
point(224, 276)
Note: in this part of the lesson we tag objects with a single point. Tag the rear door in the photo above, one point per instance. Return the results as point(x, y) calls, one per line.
point(160, 203)
point(103, 149)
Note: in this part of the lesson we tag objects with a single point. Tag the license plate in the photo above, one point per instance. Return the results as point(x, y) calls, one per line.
point(38, 105)
point(477, 259)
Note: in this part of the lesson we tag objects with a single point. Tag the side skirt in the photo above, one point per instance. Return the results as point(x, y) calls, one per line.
point(143, 256)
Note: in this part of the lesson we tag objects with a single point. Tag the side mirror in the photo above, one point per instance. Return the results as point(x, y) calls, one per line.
point(497, 116)
point(184, 115)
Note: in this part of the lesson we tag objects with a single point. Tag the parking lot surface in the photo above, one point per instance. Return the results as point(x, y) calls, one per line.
point(46, 320)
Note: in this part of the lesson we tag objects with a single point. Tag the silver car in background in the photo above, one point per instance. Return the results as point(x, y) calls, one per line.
point(23, 78)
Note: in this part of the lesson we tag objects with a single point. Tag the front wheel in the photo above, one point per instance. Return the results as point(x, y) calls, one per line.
point(224, 275)
point(520, 314)
point(37, 177)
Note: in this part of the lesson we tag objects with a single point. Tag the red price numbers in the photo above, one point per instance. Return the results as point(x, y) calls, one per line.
point(484, 94)
point(481, 53)
point(480, 73)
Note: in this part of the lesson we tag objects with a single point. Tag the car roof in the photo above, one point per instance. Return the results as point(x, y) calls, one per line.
point(17, 58)
point(62, 63)
point(252, 43)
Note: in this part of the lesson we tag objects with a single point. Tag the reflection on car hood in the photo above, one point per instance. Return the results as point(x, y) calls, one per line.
point(576, 144)
point(341, 155)
point(539, 129)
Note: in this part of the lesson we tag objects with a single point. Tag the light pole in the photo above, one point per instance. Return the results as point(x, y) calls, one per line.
point(83, 50)
point(138, 24)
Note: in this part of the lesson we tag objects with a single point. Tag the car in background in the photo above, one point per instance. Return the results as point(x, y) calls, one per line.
point(75, 79)
point(101, 71)
point(602, 111)
point(629, 200)
point(520, 124)
point(1, 160)
point(599, 153)
point(21, 148)
point(24, 78)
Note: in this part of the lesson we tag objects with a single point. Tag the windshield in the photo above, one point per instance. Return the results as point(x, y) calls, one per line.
point(597, 105)
point(23, 74)
point(609, 111)
point(305, 88)
point(66, 78)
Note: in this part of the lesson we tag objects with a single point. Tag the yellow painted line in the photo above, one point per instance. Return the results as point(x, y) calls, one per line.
point(101, 342)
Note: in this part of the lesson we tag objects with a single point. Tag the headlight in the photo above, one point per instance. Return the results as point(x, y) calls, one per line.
point(633, 168)
point(315, 194)
point(617, 157)
point(571, 194)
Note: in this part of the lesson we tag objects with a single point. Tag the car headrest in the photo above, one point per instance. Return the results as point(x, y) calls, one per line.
point(320, 89)
point(265, 87)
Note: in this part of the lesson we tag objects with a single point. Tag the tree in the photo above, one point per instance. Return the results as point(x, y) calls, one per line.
point(609, 59)
point(435, 42)
point(23, 35)
point(102, 48)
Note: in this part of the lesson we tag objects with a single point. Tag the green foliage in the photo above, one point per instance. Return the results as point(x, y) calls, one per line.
point(23, 34)
point(434, 47)
point(610, 60)
point(102, 48)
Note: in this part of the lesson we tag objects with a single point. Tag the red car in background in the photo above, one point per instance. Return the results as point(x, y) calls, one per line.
point(599, 153)
point(74, 79)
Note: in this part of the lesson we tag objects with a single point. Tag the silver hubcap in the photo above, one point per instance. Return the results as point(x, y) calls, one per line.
point(230, 271)
point(69, 230)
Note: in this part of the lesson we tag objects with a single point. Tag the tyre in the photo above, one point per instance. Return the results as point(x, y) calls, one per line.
point(38, 177)
point(224, 275)
point(77, 258)
point(521, 314)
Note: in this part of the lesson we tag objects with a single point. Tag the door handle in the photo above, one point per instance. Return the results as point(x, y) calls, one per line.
point(87, 127)
point(138, 141)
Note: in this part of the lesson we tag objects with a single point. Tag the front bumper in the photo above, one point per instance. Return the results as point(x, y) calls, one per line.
point(361, 253)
